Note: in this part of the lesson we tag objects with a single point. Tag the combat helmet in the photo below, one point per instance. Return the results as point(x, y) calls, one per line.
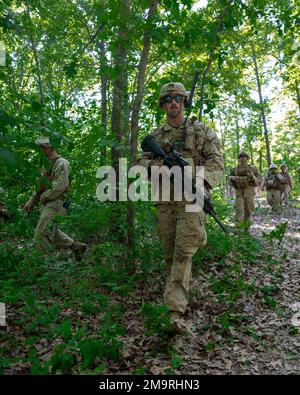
point(243, 154)
point(43, 140)
point(172, 88)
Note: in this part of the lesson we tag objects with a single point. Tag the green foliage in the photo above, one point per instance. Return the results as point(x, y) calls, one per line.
point(52, 84)
point(277, 233)
point(156, 319)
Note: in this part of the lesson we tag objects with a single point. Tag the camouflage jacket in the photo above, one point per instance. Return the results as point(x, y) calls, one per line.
point(273, 181)
point(196, 143)
point(59, 178)
point(288, 178)
point(4, 213)
point(245, 176)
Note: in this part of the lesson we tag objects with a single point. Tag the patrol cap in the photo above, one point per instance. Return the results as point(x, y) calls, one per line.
point(283, 165)
point(273, 166)
point(172, 88)
point(43, 140)
point(243, 154)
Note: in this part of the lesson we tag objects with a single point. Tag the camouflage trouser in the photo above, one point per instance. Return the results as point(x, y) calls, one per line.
point(244, 205)
point(47, 232)
point(181, 234)
point(273, 198)
point(285, 194)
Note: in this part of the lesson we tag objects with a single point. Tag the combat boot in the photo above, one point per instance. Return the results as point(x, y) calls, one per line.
point(78, 249)
point(175, 328)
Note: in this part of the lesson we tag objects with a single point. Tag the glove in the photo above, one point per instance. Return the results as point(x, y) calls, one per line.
point(168, 161)
point(28, 207)
point(43, 199)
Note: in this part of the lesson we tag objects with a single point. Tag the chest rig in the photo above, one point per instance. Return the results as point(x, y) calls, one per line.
point(272, 182)
point(181, 139)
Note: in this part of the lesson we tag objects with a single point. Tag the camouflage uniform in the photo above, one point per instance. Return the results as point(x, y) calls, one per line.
point(5, 215)
point(52, 199)
point(47, 232)
point(273, 182)
point(244, 179)
point(181, 232)
point(286, 187)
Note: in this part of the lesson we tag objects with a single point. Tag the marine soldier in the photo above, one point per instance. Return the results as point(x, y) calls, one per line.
point(52, 199)
point(287, 186)
point(273, 182)
point(244, 178)
point(5, 215)
point(181, 232)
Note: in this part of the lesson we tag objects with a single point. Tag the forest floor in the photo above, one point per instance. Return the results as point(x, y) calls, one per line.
point(257, 331)
point(81, 318)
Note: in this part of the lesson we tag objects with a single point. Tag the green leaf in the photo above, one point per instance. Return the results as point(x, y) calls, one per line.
point(36, 106)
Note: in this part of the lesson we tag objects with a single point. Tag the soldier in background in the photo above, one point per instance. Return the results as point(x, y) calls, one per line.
point(182, 232)
point(287, 185)
point(244, 178)
point(273, 182)
point(5, 215)
point(52, 200)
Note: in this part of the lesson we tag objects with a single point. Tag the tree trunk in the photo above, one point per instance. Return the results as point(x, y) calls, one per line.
point(298, 95)
point(262, 109)
point(119, 84)
point(223, 141)
point(134, 132)
point(261, 152)
point(237, 133)
point(37, 63)
point(211, 56)
point(104, 86)
point(117, 116)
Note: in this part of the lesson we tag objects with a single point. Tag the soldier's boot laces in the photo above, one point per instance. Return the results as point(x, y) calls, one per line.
point(78, 249)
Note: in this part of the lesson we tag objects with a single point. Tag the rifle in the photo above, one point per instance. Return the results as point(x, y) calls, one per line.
point(150, 144)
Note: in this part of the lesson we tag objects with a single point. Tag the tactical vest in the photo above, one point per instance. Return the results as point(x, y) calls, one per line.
point(187, 140)
point(243, 172)
point(272, 182)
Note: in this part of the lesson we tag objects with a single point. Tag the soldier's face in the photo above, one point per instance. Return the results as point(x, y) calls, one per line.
point(175, 107)
point(46, 150)
point(243, 160)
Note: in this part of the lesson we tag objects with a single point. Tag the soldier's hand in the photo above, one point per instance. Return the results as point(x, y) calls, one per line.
point(169, 162)
point(43, 199)
point(28, 206)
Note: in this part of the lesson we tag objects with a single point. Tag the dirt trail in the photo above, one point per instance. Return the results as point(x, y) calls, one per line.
point(264, 337)
point(270, 344)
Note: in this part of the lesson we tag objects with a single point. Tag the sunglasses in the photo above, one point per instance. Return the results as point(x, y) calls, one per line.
point(169, 99)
